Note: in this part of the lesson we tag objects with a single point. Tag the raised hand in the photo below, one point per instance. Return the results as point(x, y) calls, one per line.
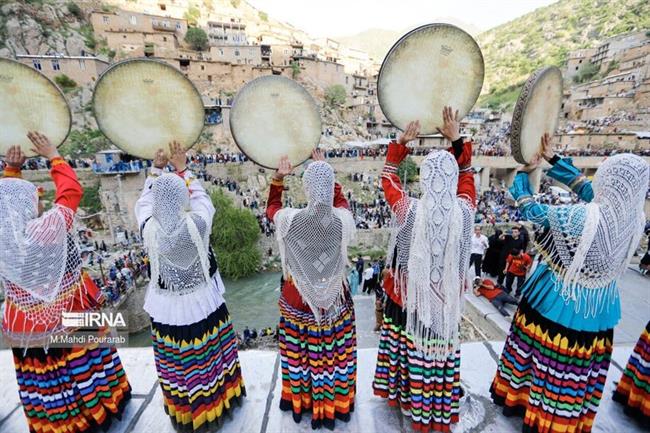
point(178, 156)
point(410, 133)
point(547, 148)
point(284, 169)
point(42, 145)
point(451, 124)
point(317, 155)
point(160, 160)
point(15, 157)
point(532, 164)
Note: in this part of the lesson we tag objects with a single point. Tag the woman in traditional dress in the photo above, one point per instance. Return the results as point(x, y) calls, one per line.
point(72, 389)
point(194, 344)
point(317, 328)
point(633, 390)
point(418, 362)
point(555, 360)
point(353, 280)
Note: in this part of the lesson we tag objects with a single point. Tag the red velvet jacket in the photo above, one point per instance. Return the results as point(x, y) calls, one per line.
point(68, 194)
point(274, 204)
point(394, 193)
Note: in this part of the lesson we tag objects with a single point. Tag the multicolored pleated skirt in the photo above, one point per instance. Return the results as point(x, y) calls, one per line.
point(198, 370)
point(319, 365)
point(633, 390)
point(426, 390)
point(71, 390)
point(552, 375)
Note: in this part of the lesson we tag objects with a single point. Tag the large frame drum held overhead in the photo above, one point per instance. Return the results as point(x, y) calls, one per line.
point(536, 112)
point(29, 101)
point(273, 116)
point(428, 68)
point(141, 105)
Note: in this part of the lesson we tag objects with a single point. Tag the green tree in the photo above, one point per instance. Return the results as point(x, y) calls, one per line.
point(88, 34)
point(264, 16)
point(335, 95)
point(192, 15)
point(295, 69)
point(408, 170)
point(235, 233)
point(65, 83)
point(84, 143)
point(587, 72)
point(197, 38)
point(90, 200)
point(75, 10)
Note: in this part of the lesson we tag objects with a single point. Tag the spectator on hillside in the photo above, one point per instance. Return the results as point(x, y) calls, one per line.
point(513, 241)
point(367, 280)
point(493, 254)
point(494, 294)
point(517, 265)
point(479, 246)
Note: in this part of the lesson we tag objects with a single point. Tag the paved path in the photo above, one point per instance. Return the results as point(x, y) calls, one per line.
point(634, 289)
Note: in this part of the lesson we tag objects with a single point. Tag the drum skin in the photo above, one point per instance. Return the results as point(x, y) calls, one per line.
point(29, 101)
point(273, 116)
point(428, 68)
point(536, 112)
point(141, 105)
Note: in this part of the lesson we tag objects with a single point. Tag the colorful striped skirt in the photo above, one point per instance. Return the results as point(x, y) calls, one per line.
point(552, 375)
point(71, 390)
point(319, 365)
point(426, 390)
point(634, 388)
point(198, 370)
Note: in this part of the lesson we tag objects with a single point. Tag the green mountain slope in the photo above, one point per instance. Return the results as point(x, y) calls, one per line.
point(545, 36)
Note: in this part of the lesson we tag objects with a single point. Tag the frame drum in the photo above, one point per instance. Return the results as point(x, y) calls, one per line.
point(430, 67)
point(29, 101)
point(273, 116)
point(536, 112)
point(142, 105)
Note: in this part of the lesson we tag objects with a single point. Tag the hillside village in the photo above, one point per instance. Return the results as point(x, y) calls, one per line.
point(606, 94)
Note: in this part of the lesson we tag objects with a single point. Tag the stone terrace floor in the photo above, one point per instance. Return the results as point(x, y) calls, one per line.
point(260, 411)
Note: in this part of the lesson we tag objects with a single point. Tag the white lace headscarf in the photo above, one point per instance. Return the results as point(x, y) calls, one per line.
point(313, 243)
point(595, 241)
point(39, 263)
point(430, 246)
point(176, 239)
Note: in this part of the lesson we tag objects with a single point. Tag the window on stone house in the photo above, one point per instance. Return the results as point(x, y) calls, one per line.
point(210, 78)
point(164, 38)
point(82, 64)
point(162, 7)
point(55, 65)
point(178, 26)
point(37, 64)
point(134, 20)
point(203, 67)
point(236, 53)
